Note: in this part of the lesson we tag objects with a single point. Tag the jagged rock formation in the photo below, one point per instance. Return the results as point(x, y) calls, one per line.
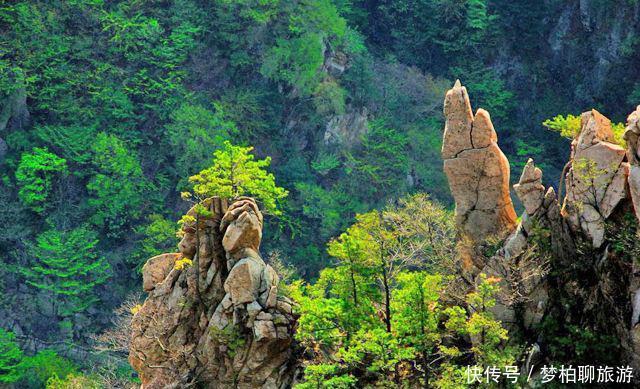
point(530, 189)
point(597, 177)
point(477, 170)
point(574, 264)
point(220, 322)
point(632, 137)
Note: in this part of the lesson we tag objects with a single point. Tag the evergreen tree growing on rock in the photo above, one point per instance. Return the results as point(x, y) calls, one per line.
point(235, 172)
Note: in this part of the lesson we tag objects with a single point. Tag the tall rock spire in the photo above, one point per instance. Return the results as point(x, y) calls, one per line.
point(477, 170)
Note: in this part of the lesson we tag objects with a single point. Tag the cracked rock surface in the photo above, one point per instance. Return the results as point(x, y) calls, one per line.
point(477, 170)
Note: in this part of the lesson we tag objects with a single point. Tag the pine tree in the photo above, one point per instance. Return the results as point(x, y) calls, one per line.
point(10, 357)
point(235, 173)
point(66, 265)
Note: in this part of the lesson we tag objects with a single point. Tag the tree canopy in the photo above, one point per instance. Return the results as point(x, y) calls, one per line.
point(235, 172)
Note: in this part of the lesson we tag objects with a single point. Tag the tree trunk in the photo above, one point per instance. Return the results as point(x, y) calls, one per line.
point(387, 298)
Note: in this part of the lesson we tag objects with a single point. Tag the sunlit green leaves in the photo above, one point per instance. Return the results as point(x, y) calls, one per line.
point(235, 172)
point(195, 132)
point(36, 175)
point(117, 188)
point(10, 357)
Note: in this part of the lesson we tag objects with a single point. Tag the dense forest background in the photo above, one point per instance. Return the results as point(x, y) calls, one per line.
point(109, 106)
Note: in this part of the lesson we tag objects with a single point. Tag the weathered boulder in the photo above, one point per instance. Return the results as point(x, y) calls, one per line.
point(634, 188)
point(477, 170)
point(243, 222)
point(632, 137)
point(156, 270)
point(220, 322)
point(596, 181)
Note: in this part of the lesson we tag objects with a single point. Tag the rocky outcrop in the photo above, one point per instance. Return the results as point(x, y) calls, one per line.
point(218, 322)
point(596, 181)
point(632, 137)
point(477, 170)
point(529, 189)
point(573, 260)
point(157, 269)
point(346, 130)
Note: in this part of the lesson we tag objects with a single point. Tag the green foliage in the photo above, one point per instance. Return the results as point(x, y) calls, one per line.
point(380, 352)
point(487, 90)
point(67, 267)
point(618, 130)
point(575, 343)
point(235, 173)
point(568, 126)
point(127, 99)
point(623, 235)
point(195, 133)
point(36, 176)
point(330, 98)
point(72, 381)
point(298, 58)
point(325, 376)
point(481, 325)
point(38, 369)
point(420, 344)
point(378, 311)
point(380, 164)
point(10, 357)
point(326, 207)
point(296, 62)
point(156, 237)
point(72, 141)
point(228, 336)
point(118, 185)
point(325, 163)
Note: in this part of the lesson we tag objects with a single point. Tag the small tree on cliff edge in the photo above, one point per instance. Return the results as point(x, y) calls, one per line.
point(235, 173)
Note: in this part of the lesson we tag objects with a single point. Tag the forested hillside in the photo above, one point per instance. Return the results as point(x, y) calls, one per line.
point(109, 107)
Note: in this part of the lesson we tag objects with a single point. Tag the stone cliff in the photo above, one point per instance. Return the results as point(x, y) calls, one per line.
point(571, 260)
point(213, 315)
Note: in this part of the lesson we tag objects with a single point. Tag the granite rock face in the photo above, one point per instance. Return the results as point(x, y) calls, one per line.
point(477, 170)
point(219, 322)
